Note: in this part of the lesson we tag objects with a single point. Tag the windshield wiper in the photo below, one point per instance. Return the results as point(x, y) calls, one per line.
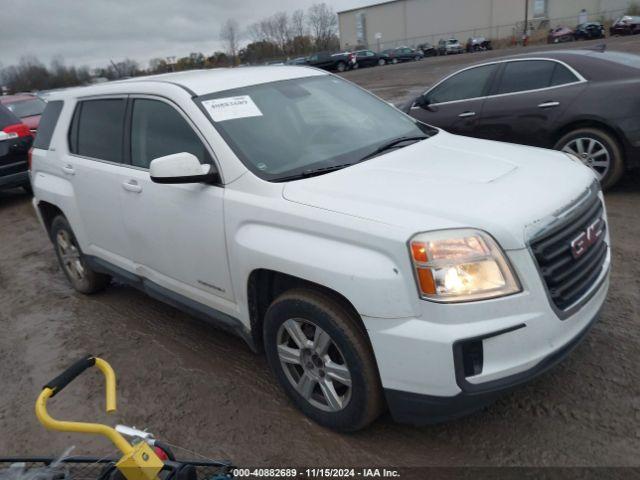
point(392, 144)
point(313, 172)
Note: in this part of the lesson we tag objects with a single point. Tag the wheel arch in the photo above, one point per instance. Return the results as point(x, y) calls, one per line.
point(48, 211)
point(265, 285)
point(595, 124)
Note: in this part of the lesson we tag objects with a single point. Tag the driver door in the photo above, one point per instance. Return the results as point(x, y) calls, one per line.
point(176, 231)
point(456, 103)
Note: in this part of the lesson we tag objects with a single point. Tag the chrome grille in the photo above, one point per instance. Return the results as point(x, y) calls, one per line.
point(567, 276)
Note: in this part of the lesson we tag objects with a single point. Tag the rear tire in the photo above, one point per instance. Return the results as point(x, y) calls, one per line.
point(382, 62)
point(341, 67)
point(72, 260)
point(325, 365)
point(595, 147)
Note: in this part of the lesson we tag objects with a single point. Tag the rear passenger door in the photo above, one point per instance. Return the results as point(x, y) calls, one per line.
point(456, 103)
point(176, 231)
point(528, 99)
point(95, 167)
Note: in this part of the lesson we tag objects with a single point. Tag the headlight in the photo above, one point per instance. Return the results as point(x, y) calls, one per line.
point(461, 265)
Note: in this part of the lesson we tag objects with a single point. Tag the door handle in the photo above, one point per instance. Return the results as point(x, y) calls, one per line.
point(549, 105)
point(132, 186)
point(467, 114)
point(68, 169)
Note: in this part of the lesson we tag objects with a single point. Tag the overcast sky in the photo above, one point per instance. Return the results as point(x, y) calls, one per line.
point(90, 32)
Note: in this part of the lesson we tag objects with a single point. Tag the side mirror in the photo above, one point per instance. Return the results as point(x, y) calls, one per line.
point(422, 101)
point(181, 168)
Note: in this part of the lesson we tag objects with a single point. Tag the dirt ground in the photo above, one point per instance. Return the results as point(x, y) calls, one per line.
point(202, 389)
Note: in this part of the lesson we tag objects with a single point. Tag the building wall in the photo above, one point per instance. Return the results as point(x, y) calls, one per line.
point(416, 21)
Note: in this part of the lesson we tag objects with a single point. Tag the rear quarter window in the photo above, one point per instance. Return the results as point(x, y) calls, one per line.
point(47, 125)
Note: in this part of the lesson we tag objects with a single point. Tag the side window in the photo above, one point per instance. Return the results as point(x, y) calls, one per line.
point(526, 75)
point(562, 75)
point(157, 129)
point(97, 129)
point(467, 84)
point(47, 124)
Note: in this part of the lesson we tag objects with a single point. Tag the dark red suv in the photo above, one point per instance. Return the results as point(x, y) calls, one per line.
point(15, 141)
point(25, 106)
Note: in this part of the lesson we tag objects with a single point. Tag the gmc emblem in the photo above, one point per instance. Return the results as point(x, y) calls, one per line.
point(583, 242)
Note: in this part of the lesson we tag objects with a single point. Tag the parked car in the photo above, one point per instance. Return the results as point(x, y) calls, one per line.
point(448, 47)
point(427, 49)
point(332, 62)
point(297, 61)
point(580, 101)
point(560, 35)
point(378, 261)
point(25, 106)
point(403, 54)
point(478, 44)
point(369, 58)
point(15, 141)
point(627, 25)
point(588, 31)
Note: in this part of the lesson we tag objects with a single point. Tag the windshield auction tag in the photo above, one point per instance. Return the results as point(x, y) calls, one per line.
point(232, 108)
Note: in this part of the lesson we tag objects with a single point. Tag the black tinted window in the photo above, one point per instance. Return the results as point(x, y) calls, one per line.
point(470, 83)
point(100, 128)
point(526, 75)
point(562, 75)
point(157, 129)
point(47, 124)
point(7, 118)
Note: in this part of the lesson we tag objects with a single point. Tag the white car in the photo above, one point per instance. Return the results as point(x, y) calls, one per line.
point(379, 262)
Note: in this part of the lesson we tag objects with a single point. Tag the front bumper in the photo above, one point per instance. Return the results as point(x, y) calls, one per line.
point(521, 337)
point(407, 407)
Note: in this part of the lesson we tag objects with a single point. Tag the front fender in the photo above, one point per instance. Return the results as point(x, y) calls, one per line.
point(371, 280)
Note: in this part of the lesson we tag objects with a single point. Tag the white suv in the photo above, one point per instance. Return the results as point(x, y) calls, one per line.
point(376, 260)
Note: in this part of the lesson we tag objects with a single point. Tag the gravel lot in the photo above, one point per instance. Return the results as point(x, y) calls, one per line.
point(204, 390)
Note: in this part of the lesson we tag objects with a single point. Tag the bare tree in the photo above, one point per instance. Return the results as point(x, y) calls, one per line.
point(298, 27)
point(280, 26)
point(230, 35)
point(323, 22)
point(256, 33)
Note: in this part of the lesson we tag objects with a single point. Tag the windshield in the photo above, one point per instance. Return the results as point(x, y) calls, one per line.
point(27, 108)
point(284, 128)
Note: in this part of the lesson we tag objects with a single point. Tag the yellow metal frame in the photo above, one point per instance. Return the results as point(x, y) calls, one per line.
point(81, 427)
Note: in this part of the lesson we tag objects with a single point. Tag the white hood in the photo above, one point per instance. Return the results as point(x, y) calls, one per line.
point(449, 181)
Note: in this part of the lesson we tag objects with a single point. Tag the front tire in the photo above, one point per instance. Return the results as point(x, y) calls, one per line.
point(72, 260)
point(341, 67)
point(322, 360)
point(598, 150)
point(382, 62)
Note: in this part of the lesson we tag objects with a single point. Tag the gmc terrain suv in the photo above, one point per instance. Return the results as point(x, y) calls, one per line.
point(379, 262)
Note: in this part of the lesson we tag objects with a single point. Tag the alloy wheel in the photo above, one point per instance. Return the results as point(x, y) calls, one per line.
point(592, 153)
point(314, 364)
point(70, 255)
